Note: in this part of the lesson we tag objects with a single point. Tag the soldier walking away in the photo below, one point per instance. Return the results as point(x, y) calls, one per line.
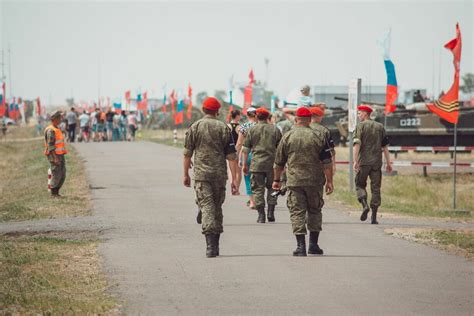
point(262, 140)
point(369, 143)
point(55, 149)
point(210, 142)
point(317, 114)
point(304, 152)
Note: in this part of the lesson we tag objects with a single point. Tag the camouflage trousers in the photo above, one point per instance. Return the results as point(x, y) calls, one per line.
point(305, 204)
point(210, 196)
point(259, 181)
point(58, 172)
point(375, 175)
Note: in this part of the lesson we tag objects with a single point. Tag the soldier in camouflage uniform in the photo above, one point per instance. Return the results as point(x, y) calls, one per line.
point(284, 127)
point(317, 114)
point(262, 140)
point(369, 143)
point(55, 150)
point(211, 143)
point(305, 152)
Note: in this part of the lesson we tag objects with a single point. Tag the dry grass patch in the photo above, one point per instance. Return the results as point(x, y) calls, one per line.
point(23, 184)
point(48, 273)
point(459, 241)
point(414, 195)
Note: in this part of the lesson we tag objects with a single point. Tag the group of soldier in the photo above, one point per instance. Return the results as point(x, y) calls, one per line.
point(296, 156)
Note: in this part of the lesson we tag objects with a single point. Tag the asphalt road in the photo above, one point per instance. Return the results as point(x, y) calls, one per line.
point(155, 254)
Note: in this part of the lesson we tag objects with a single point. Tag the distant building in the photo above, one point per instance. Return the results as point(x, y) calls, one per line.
point(327, 94)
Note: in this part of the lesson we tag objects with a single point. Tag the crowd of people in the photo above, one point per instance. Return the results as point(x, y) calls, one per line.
point(292, 152)
point(100, 125)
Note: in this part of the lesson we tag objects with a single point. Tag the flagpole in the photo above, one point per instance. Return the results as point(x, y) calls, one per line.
point(455, 163)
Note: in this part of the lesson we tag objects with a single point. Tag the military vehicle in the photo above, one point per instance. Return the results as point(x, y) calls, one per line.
point(413, 125)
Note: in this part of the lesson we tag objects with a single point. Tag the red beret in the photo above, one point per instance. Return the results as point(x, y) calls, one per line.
point(262, 111)
point(365, 108)
point(316, 110)
point(211, 103)
point(303, 112)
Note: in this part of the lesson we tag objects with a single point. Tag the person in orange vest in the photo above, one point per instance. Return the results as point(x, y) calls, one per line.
point(55, 149)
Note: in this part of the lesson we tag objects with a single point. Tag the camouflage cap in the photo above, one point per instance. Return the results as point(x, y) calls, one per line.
point(56, 114)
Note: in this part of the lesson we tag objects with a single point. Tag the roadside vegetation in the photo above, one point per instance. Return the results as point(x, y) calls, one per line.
point(51, 274)
point(459, 242)
point(23, 184)
point(46, 273)
point(410, 193)
point(19, 132)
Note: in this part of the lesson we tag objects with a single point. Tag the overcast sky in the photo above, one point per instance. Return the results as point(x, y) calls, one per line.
point(59, 48)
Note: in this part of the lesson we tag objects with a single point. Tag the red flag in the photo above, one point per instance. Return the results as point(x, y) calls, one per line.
point(248, 96)
point(3, 101)
point(38, 106)
point(143, 104)
point(179, 118)
point(251, 77)
point(127, 96)
point(229, 116)
point(447, 107)
point(190, 105)
point(173, 103)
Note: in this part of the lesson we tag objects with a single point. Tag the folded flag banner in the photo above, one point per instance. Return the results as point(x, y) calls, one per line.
point(118, 107)
point(391, 92)
point(179, 117)
point(173, 103)
point(190, 104)
point(2, 99)
point(447, 107)
point(163, 107)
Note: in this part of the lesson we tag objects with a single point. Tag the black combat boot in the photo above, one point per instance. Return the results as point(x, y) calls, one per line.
point(211, 246)
point(366, 209)
point(271, 213)
point(300, 250)
point(374, 216)
point(313, 248)
point(218, 237)
point(55, 192)
point(261, 214)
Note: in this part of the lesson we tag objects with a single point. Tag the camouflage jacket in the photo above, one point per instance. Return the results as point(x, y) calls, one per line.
point(304, 151)
point(211, 142)
point(371, 137)
point(284, 126)
point(326, 133)
point(262, 140)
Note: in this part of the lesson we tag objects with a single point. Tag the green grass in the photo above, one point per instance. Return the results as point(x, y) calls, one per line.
point(51, 275)
point(20, 132)
point(23, 184)
point(414, 194)
point(459, 239)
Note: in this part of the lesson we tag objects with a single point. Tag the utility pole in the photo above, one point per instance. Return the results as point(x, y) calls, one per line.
point(267, 62)
point(3, 65)
point(10, 71)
